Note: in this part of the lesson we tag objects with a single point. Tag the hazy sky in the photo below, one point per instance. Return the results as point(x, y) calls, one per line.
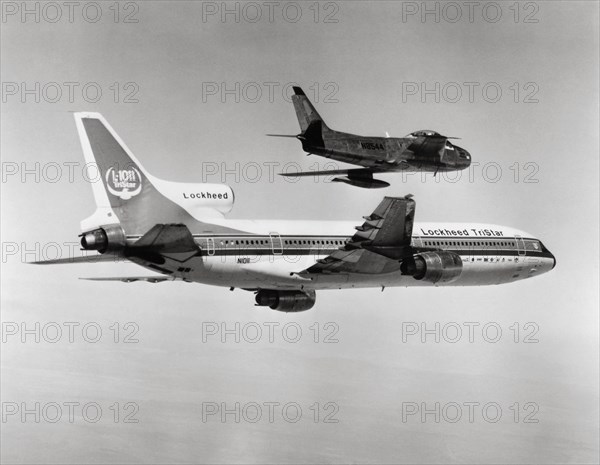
point(189, 91)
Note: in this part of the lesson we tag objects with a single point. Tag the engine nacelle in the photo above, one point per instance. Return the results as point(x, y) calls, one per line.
point(286, 301)
point(105, 239)
point(434, 267)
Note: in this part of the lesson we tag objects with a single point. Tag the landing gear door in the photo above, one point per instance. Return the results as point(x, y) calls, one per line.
point(276, 244)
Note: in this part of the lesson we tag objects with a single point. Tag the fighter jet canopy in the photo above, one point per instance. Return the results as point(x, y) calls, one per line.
point(425, 133)
point(429, 133)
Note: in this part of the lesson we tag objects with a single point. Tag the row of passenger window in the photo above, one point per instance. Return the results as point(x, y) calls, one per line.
point(529, 244)
point(314, 242)
point(267, 242)
point(337, 242)
point(469, 243)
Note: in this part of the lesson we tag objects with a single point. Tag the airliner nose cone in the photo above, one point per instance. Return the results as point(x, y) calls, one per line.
point(548, 253)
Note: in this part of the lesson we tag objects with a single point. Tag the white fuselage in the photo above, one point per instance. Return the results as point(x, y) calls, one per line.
point(271, 254)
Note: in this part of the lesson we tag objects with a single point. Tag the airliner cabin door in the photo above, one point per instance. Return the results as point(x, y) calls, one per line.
point(210, 246)
point(276, 245)
point(520, 246)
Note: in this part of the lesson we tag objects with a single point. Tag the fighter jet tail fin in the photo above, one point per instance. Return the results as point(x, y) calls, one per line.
point(305, 111)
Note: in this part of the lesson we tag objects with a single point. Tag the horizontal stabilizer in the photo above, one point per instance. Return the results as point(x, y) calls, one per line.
point(282, 135)
point(85, 259)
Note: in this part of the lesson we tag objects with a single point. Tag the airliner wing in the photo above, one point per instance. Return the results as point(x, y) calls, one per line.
point(131, 279)
point(379, 244)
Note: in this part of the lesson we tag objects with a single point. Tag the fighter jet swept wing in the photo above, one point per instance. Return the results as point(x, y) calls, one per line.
point(356, 176)
point(379, 244)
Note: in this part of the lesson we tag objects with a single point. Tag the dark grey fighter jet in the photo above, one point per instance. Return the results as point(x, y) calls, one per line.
point(419, 151)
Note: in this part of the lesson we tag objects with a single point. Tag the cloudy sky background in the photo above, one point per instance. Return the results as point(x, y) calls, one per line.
point(361, 63)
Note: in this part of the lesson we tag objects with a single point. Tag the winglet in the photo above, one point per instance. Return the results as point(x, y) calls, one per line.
point(298, 91)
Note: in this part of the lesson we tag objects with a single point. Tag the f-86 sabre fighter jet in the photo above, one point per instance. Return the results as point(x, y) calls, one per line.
point(419, 151)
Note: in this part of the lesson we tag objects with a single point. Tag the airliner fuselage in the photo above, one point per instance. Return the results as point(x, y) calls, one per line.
point(270, 253)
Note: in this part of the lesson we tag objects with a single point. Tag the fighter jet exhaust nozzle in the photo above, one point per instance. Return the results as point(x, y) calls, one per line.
point(105, 239)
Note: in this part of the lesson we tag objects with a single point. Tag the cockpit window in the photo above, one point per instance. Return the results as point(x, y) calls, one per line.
point(424, 133)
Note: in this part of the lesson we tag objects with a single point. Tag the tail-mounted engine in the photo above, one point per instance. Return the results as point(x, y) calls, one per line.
point(433, 267)
point(286, 301)
point(105, 239)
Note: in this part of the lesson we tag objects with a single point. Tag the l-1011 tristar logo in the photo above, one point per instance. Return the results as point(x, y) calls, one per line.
point(124, 184)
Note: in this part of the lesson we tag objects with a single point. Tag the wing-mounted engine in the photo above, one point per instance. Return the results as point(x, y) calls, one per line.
point(434, 267)
point(110, 238)
point(286, 301)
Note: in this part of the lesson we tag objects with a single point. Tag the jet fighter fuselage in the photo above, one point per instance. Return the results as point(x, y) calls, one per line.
point(422, 150)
